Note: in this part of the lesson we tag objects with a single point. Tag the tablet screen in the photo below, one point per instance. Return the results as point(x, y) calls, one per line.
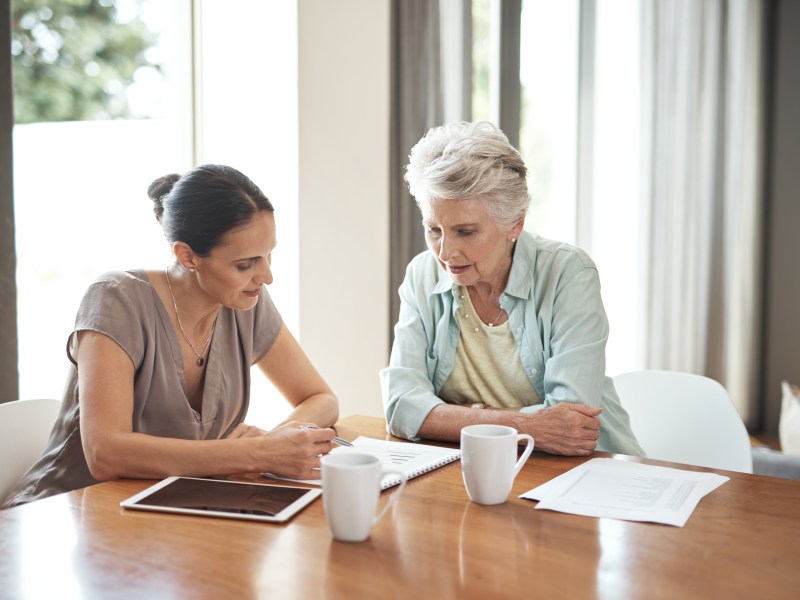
point(215, 497)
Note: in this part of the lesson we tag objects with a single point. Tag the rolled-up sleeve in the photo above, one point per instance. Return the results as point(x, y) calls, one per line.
point(407, 384)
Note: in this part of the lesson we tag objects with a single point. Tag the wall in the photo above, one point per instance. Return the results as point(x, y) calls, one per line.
point(782, 303)
point(344, 194)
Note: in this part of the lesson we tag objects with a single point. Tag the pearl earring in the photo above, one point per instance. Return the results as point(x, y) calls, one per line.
point(513, 240)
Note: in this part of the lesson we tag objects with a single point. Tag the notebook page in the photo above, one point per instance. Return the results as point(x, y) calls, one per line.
point(412, 458)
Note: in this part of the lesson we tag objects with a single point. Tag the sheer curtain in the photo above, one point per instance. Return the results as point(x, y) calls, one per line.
point(701, 189)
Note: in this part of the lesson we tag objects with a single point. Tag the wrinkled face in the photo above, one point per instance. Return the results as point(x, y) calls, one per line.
point(233, 273)
point(467, 241)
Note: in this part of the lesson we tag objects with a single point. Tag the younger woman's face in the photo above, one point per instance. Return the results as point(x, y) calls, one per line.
point(233, 273)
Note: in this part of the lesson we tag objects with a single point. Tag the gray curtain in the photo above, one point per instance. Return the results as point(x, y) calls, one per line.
point(702, 170)
point(430, 85)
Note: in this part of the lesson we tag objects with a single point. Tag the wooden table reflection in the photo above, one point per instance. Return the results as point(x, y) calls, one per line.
point(742, 541)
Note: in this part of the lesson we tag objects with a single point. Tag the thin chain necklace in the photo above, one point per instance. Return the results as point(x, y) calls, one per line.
point(491, 324)
point(200, 360)
point(497, 318)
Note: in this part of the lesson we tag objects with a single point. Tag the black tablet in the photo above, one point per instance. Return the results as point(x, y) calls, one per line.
point(218, 498)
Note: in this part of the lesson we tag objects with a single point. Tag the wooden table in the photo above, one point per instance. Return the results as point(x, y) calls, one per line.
point(742, 541)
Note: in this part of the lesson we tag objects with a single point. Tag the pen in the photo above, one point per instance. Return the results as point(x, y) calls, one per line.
point(335, 440)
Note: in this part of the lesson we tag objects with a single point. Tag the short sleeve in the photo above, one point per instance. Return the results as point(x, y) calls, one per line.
point(114, 306)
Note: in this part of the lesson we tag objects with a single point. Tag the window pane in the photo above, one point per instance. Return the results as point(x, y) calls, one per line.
point(548, 136)
point(616, 214)
point(485, 56)
point(97, 130)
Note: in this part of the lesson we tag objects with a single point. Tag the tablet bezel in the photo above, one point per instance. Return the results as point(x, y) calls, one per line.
point(138, 501)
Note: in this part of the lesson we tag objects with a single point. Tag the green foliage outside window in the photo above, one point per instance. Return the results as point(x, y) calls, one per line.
point(74, 59)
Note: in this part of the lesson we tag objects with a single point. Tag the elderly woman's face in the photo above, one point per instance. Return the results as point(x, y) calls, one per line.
point(467, 241)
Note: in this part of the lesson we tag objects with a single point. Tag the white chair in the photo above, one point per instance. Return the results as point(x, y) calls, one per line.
point(685, 418)
point(24, 430)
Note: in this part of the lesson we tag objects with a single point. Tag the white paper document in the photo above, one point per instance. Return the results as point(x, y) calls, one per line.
point(616, 489)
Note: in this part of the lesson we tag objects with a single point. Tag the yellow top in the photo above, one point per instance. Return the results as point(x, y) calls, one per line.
point(487, 366)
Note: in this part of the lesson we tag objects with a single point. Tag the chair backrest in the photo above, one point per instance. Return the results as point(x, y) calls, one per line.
point(24, 430)
point(686, 418)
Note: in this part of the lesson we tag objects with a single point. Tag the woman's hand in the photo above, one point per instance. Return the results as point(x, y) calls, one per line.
point(293, 450)
point(566, 428)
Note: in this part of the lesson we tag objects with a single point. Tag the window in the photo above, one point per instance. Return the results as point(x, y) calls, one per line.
point(81, 176)
point(80, 181)
point(548, 133)
point(579, 137)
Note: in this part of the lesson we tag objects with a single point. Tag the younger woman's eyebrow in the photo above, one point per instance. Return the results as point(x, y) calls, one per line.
point(252, 258)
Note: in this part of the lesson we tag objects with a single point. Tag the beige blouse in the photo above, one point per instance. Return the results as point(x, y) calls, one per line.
point(487, 368)
point(125, 307)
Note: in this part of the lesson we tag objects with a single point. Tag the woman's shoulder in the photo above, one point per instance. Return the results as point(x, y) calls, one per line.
point(133, 283)
point(127, 277)
point(566, 254)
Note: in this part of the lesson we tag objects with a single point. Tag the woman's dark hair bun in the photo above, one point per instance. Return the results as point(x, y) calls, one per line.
point(158, 190)
point(200, 207)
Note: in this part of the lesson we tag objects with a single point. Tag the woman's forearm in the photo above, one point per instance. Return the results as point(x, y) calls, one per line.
point(566, 428)
point(290, 451)
point(445, 421)
point(142, 456)
point(321, 409)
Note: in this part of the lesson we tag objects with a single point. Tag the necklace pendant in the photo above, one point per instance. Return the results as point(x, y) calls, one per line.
point(201, 361)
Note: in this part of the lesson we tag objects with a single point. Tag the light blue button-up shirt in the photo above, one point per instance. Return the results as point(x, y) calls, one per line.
point(556, 315)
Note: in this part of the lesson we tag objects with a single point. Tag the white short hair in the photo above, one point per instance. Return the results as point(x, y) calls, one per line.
point(470, 161)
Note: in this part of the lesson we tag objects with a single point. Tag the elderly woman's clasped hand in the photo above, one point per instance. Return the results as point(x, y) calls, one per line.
point(566, 428)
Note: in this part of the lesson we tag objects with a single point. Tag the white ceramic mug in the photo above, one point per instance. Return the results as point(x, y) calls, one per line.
point(489, 461)
point(351, 486)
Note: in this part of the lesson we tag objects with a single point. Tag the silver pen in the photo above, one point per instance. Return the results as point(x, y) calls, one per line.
point(335, 440)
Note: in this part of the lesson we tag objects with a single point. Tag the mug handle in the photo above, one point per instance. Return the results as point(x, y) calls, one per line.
point(525, 454)
point(394, 495)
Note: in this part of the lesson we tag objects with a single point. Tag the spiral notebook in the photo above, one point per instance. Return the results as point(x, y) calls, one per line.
point(413, 459)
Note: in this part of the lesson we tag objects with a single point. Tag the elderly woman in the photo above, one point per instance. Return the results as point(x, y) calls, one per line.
point(496, 325)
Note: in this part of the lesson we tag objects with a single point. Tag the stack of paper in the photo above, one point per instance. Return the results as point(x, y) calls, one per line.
point(604, 487)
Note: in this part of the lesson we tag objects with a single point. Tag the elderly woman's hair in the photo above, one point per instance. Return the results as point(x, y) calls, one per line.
point(204, 204)
point(470, 161)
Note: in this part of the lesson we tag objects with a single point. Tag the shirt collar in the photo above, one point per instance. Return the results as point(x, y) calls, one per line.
point(520, 279)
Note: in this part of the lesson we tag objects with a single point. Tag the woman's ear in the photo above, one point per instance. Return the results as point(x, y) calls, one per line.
point(185, 256)
point(516, 230)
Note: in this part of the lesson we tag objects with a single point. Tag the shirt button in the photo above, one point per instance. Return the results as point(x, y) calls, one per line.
point(534, 371)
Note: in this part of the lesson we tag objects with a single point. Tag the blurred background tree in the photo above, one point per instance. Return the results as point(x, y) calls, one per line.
point(74, 59)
